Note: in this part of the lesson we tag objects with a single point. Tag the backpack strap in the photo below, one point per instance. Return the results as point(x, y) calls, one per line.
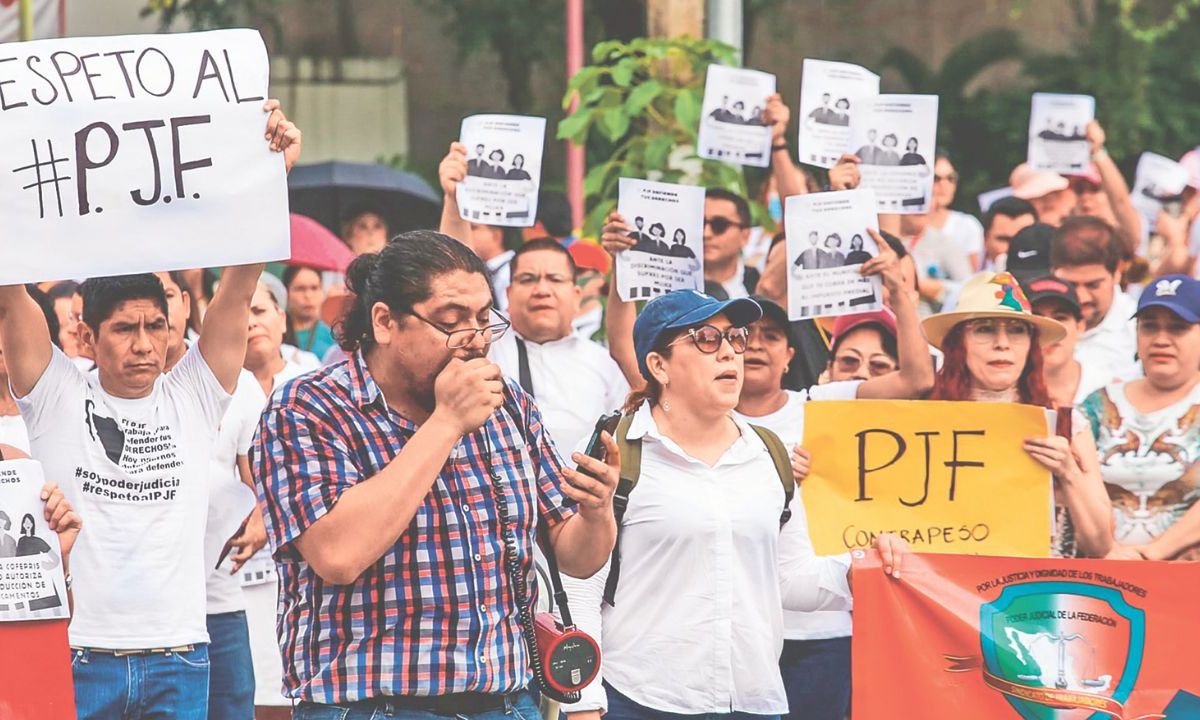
point(631, 467)
point(783, 466)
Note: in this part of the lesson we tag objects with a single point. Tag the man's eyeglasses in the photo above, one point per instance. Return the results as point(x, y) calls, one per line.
point(720, 224)
point(528, 280)
point(952, 178)
point(708, 338)
point(849, 364)
point(463, 337)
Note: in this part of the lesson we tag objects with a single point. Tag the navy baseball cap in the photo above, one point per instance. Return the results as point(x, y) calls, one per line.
point(1178, 293)
point(681, 309)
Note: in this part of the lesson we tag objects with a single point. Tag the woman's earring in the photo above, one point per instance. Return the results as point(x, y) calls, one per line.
point(666, 406)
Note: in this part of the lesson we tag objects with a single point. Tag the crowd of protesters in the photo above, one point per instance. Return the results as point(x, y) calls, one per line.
point(415, 430)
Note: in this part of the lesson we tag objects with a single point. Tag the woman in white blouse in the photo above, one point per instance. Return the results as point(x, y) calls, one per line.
point(696, 623)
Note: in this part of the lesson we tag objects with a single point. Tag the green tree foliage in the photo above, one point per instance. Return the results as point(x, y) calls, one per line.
point(1144, 79)
point(1140, 68)
point(638, 116)
point(208, 14)
point(971, 125)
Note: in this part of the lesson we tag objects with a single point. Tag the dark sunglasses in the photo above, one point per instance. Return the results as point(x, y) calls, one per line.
point(708, 338)
point(951, 178)
point(720, 224)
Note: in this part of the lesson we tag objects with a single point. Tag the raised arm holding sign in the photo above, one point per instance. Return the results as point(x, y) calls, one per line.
point(132, 446)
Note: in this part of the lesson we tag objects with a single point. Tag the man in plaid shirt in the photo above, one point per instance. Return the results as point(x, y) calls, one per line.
point(376, 478)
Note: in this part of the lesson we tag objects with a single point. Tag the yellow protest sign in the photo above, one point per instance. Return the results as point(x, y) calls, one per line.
point(949, 477)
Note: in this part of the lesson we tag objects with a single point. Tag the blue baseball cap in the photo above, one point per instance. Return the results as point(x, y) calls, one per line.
point(1178, 293)
point(681, 309)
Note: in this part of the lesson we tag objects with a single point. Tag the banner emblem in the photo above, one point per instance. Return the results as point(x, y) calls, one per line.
point(1062, 650)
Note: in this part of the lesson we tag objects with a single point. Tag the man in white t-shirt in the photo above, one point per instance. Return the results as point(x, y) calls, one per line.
point(1087, 252)
point(131, 446)
point(573, 381)
point(231, 668)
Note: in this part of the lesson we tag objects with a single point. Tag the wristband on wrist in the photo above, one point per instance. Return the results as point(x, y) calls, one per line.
point(780, 146)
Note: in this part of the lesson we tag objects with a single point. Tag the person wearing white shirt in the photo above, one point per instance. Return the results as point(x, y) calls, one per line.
point(231, 680)
point(137, 443)
point(696, 622)
point(1087, 252)
point(1068, 381)
point(815, 663)
point(12, 427)
point(573, 381)
point(726, 233)
point(130, 446)
point(963, 229)
point(272, 362)
point(1001, 223)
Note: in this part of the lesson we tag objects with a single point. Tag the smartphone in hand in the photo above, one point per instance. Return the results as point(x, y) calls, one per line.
point(595, 447)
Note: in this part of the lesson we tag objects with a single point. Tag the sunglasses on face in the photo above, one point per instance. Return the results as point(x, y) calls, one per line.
point(876, 366)
point(707, 338)
point(951, 178)
point(720, 224)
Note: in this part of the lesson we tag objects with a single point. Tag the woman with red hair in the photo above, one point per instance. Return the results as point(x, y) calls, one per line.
point(992, 347)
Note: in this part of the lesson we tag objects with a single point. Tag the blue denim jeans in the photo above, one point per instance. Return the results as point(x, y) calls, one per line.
point(524, 708)
point(816, 676)
point(171, 686)
point(231, 676)
point(622, 708)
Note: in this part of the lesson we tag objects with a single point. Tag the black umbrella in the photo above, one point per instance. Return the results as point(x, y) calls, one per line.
point(333, 192)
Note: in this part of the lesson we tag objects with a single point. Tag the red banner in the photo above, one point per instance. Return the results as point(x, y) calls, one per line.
point(35, 671)
point(992, 638)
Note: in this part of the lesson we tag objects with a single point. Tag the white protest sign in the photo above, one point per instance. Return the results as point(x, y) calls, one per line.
point(895, 136)
point(31, 575)
point(988, 198)
point(731, 124)
point(827, 243)
point(667, 224)
point(830, 95)
point(504, 168)
point(1058, 132)
point(1159, 186)
point(137, 153)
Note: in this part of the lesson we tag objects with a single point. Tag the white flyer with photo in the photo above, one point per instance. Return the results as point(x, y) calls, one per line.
point(827, 243)
point(895, 137)
point(666, 224)
point(731, 124)
point(1058, 132)
point(504, 169)
point(1159, 186)
point(830, 97)
point(31, 573)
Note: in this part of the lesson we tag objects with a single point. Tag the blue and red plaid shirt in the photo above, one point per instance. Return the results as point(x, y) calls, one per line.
point(436, 614)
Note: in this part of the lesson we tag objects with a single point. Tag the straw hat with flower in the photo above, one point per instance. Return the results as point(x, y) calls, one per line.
point(991, 295)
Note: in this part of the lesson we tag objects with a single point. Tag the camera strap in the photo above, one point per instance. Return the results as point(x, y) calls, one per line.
point(523, 375)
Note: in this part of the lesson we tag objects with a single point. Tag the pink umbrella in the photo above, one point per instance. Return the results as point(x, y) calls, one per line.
point(316, 247)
